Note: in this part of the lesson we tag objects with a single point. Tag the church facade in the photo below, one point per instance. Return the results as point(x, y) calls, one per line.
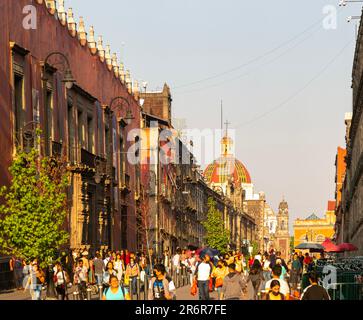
point(231, 177)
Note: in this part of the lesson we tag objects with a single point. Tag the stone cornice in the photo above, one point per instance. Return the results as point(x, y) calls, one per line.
point(78, 32)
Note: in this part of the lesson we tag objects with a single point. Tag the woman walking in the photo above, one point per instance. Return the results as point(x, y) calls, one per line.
point(219, 274)
point(60, 281)
point(256, 277)
point(114, 291)
point(119, 267)
point(132, 272)
point(110, 271)
point(35, 282)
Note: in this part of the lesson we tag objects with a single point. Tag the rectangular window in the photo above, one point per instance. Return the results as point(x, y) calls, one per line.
point(124, 227)
point(90, 135)
point(122, 167)
point(107, 141)
point(50, 118)
point(80, 129)
point(70, 134)
point(18, 107)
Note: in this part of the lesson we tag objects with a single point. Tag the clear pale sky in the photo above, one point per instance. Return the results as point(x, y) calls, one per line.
point(287, 67)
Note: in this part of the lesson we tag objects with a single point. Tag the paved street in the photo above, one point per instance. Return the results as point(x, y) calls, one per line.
point(183, 293)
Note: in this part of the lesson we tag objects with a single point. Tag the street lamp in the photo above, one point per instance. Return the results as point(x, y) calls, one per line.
point(129, 116)
point(26, 136)
point(343, 3)
point(68, 80)
point(142, 100)
point(350, 18)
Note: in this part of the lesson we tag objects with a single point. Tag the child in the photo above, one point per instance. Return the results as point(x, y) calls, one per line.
point(274, 293)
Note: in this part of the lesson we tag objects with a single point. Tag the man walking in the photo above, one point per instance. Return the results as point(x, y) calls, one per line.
point(99, 268)
point(233, 284)
point(314, 291)
point(203, 273)
point(81, 279)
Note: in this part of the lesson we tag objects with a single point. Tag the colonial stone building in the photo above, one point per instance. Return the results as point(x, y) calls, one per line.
point(178, 195)
point(352, 195)
point(315, 229)
point(228, 176)
point(56, 77)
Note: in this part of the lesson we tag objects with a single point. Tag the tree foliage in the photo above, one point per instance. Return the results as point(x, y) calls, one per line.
point(35, 207)
point(217, 237)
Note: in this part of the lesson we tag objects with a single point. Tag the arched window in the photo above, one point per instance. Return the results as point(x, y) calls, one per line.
point(320, 238)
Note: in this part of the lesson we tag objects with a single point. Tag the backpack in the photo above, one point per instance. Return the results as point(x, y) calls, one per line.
point(160, 295)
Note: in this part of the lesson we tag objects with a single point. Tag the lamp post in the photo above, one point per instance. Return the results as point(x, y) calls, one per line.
point(343, 3)
point(68, 80)
point(25, 136)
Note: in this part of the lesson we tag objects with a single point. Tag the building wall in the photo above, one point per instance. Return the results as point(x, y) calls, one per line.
point(95, 79)
point(352, 202)
point(316, 230)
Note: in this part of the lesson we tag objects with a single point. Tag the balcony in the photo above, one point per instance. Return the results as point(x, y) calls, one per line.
point(88, 158)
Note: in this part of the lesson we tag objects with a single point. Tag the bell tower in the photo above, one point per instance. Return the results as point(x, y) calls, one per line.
point(283, 218)
point(282, 232)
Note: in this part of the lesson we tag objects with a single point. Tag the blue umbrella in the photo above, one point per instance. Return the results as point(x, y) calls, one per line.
point(208, 251)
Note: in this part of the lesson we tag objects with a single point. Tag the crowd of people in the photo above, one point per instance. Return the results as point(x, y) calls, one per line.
point(233, 275)
point(116, 272)
point(264, 276)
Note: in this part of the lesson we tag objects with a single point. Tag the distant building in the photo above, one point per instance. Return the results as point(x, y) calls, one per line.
point(315, 229)
point(228, 176)
point(282, 236)
point(340, 166)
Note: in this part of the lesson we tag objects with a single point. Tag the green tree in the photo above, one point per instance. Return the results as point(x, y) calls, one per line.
point(217, 237)
point(256, 248)
point(292, 244)
point(34, 209)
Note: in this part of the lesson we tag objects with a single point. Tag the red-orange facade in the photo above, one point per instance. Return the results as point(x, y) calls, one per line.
point(78, 123)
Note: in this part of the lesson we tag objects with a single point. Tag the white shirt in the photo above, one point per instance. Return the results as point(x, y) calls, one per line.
point(204, 271)
point(176, 259)
point(192, 261)
point(105, 261)
point(266, 265)
point(60, 278)
point(258, 257)
point(284, 287)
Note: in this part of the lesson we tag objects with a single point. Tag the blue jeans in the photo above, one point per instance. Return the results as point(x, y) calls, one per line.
point(99, 278)
point(37, 291)
point(267, 275)
point(203, 287)
point(134, 285)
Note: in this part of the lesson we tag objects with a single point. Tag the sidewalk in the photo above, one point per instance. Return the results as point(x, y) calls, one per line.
point(184, 294)
point(15, 295)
